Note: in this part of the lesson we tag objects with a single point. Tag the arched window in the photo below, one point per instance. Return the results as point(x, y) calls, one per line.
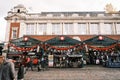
point(18, 10)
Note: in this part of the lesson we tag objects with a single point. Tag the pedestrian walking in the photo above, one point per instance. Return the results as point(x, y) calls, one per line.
point(35, 62)
point(46, 63)
point(39, 65)
point(7, 69)
point(1, 48)
point(21, 72)
point(43, 64)
point(29, 64)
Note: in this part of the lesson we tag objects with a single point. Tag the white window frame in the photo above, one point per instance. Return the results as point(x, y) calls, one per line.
point(106, 29)
point(94, 28)
point(42, 28)
point(82, 29)
point(16, 29)
point(68, 29)
point(30, 28)
point(117, 28)
point(56, 29)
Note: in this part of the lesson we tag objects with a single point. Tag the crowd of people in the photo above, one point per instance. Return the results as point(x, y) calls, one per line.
point(8, 71)
point(100, 57)
point(40, 62)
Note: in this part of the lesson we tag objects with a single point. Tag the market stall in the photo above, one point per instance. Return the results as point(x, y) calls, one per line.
point(60, 47)
point(98, 47)
point(22, 47)
point(75, 61)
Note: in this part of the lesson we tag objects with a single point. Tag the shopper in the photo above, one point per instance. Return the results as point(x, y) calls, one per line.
point(21, 72)
point(7, 69)
point(29, 64)
point(39, 65)
point(1, 48)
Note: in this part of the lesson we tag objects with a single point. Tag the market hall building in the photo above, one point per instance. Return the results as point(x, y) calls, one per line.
point(47, 25)
point(80, 25)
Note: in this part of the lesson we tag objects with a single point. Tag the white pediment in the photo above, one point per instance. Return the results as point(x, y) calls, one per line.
point(15, 16)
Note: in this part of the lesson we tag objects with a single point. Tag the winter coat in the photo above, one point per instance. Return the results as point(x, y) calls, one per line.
point(20, 72)
point(7, 71)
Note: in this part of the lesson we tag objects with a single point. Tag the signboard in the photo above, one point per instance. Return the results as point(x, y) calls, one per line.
point(23, 43)
point(74, 55)
point(50, 60)
point(31, 53)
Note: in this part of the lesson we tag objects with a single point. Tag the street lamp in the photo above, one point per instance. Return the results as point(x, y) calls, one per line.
point(25, 39)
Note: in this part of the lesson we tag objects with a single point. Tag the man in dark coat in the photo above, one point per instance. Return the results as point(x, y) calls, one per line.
point(21, 72)
point(7, 70)
point(1, 48)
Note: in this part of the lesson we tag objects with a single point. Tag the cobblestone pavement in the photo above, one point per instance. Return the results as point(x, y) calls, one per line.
point(87, 73)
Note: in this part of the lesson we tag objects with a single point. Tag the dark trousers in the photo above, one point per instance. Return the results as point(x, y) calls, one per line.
point(29, 65)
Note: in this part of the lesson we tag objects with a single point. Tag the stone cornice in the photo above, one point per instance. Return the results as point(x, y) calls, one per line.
point(15, 15)
point(74, 18)
point(63, 17)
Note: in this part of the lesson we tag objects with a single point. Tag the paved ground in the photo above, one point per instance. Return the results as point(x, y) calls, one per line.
point(86, 73)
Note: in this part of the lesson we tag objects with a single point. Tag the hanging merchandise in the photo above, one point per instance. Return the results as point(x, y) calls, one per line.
point(50, 60)
point(97, 61)
point(22, 48)
point(103, 48)
point(76, 47)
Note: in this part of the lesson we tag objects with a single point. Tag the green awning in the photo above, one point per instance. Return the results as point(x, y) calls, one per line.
point(20, 42)
point(62, 41)
point(100, 41)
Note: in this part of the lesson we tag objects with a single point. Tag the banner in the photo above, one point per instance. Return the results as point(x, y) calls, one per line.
point(22, 48)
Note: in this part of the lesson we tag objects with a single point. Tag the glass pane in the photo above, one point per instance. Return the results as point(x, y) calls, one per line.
point(106, 28)
point(94, 28)
point(118, 28)
point(82, 28)
point(56, 29)
point(30, 29)
point(42, 28)
point(14, 32)
point(68, 29)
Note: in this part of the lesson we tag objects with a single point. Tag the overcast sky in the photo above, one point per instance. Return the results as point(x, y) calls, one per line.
point(52, 5)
